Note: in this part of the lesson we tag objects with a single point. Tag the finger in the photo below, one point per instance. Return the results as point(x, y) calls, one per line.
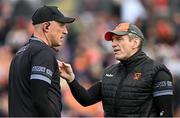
point(68, 67)
point(65, 64)
point(59, 63)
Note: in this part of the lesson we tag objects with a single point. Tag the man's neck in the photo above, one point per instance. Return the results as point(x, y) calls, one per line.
point(134, 52)
point(42, 38)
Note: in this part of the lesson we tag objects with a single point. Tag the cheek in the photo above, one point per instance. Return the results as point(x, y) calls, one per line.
point(125, 48)
point(57, 33)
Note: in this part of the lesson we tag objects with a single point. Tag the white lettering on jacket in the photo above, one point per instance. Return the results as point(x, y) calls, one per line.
point(109, 75)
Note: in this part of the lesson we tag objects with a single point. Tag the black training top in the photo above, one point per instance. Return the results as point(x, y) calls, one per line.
point(162, 91)
point(163, 98)
point(34, 83)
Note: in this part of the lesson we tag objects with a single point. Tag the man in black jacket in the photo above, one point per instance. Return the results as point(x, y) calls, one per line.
point(136, 86)
point(34, 83)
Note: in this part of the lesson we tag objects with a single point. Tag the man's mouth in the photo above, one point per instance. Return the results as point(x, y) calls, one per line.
point(62, 37)
point(116, 50)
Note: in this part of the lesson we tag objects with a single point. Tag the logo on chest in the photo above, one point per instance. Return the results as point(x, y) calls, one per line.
point(109, 75)
point(137, 76)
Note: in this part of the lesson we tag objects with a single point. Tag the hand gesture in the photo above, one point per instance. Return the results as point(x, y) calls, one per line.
point(66, 71)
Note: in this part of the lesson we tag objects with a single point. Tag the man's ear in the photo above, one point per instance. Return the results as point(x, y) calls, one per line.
point(45, 26)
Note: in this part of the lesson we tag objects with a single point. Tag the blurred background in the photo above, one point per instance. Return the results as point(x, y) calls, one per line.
point(85, 47)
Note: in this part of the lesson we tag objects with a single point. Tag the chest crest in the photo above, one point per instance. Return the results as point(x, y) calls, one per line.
point(137, 75)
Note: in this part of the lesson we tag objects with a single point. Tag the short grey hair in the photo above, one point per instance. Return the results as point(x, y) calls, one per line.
point(133, 36)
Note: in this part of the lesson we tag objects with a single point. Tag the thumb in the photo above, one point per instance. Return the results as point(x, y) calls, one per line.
point(59, 63)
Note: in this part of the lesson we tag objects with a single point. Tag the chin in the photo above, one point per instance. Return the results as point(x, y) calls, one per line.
point(58, 44)
point(119, 58)
point(55, 45)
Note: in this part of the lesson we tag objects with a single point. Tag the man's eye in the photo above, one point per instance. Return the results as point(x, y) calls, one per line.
point(62, 24)
point(120, 39)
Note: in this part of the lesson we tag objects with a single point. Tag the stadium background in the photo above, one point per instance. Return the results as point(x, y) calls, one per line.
point(85, 48)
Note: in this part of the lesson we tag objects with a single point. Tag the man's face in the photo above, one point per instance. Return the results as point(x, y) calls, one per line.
point(57, 33)
point(122, 47)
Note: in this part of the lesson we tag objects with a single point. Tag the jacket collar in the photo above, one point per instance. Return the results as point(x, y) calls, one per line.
point(135, 59)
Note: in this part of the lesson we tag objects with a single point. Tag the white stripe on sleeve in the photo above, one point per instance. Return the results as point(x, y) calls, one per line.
point(40, 77)
point(163, 92)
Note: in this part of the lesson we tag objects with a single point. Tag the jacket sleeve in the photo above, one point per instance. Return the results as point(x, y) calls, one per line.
point(86, 97)
point(40, 100)
point(163, 94)
point(40, 80)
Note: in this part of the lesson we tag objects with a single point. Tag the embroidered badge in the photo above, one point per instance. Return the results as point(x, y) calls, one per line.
point(137, 76)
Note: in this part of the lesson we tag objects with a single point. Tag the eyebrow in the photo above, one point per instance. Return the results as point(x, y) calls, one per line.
point(61, 24)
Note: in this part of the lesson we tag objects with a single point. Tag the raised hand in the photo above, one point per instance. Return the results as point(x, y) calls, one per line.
point(66, 71)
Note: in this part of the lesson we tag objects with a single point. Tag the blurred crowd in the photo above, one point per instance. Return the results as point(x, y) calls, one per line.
point(85, 47)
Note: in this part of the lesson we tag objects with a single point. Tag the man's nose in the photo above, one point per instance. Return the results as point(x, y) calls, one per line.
point(114, 44)
point(65, 30)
